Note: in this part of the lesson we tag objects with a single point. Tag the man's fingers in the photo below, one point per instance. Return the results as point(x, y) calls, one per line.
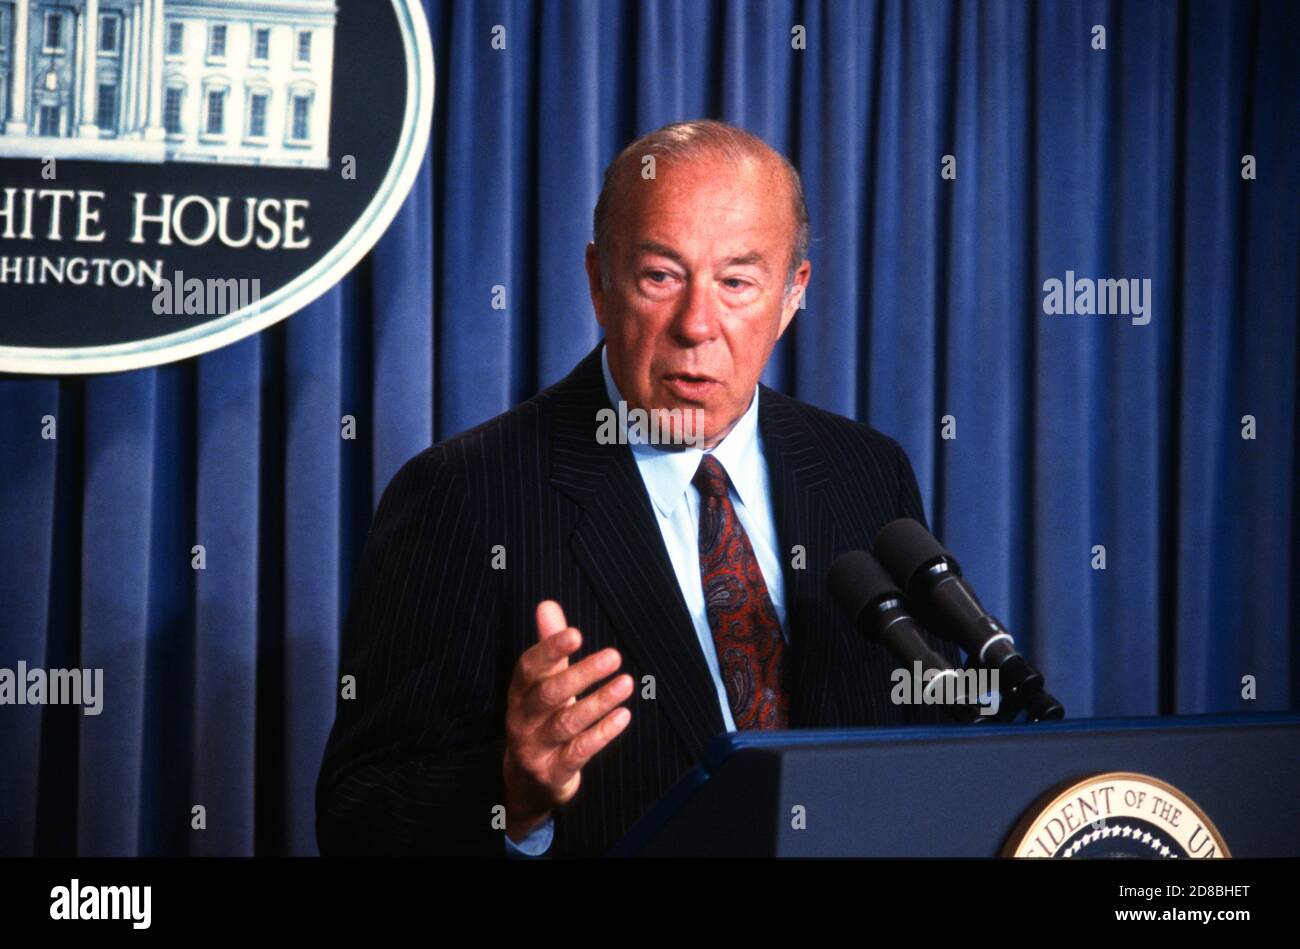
point(579, 751)
point(558, 688)
point(545, 658)
point(570, 721)
point(550, 619)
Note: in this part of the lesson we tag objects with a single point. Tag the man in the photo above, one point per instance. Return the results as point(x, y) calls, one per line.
point(548, 626)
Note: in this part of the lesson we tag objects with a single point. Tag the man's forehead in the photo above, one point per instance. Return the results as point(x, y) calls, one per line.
point(668, 209)
point(733, 211)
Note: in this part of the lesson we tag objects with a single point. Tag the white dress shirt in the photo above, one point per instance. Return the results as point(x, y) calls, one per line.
point(667, 475)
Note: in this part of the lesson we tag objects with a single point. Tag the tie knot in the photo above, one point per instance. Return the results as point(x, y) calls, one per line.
point(711, 478)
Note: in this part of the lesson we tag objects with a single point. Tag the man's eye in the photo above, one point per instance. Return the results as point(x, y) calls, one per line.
point(735, 283)
point(655, 275)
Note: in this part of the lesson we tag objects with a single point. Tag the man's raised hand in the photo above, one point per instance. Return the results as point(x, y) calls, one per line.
point(551, 732)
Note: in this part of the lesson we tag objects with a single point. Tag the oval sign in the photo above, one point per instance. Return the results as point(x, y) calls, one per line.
point(198, 171)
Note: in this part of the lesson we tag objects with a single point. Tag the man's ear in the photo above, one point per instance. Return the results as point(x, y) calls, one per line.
point(594, 286)
point(794, 297)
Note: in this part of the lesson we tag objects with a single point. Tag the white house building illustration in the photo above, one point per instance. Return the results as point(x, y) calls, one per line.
point(244, 82)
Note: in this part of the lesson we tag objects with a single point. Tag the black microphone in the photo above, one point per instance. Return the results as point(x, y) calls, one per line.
point(875, 604)
point(930, 575)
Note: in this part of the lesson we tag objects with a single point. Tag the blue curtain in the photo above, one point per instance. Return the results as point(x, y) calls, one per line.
point(926, 301)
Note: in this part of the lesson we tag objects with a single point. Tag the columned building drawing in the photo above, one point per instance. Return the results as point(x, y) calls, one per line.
point(243, 82)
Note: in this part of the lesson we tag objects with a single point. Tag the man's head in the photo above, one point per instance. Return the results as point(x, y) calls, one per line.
point(696, 272)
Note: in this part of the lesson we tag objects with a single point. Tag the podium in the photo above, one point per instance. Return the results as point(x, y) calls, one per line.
point(968, 790)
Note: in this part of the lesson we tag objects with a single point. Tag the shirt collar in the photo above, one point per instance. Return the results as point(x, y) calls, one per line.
point(668, 473)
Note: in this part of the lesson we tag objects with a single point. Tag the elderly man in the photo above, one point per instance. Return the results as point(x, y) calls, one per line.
point(548, 624)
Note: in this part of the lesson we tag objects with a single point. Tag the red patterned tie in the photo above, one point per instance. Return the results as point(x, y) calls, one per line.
point(746, 630)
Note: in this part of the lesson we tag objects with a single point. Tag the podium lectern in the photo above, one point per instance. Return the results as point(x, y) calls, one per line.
point(966, 791)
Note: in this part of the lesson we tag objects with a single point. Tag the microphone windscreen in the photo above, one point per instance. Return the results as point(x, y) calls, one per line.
point(904, 546)
point(857, 580)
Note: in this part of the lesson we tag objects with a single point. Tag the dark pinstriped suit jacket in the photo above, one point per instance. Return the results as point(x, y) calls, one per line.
point(413, 763)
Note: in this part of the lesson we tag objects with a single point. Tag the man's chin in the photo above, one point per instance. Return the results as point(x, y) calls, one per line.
point(675, 423)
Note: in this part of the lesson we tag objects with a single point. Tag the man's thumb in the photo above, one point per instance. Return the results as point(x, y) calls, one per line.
point(550, 619)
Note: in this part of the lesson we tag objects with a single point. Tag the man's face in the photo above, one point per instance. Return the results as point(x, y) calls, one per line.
point(695, 302)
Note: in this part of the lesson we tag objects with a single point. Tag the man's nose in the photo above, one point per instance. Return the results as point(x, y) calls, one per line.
point(696, 320)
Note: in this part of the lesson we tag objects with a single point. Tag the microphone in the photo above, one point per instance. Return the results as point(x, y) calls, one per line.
point(931, 576)
point(873, 601)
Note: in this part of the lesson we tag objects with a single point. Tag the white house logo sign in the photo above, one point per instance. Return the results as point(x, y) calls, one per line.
point(176, 175)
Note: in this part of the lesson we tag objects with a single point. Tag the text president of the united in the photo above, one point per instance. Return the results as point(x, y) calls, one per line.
point(547, 627)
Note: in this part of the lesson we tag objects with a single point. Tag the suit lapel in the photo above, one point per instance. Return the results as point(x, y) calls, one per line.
point(620, 549)
point(801, 480)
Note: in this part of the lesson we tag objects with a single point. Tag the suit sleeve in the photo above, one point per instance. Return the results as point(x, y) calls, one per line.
point(413, 762)
point(909, 505)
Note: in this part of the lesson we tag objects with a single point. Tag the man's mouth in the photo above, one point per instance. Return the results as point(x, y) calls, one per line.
point(691, 387)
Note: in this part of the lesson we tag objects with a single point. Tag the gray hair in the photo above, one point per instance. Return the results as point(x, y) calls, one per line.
point(685, 140)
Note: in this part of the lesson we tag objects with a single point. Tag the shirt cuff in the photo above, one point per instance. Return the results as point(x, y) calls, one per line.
point(535, 843)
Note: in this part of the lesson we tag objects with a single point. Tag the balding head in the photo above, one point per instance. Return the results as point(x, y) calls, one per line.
point(703, 140)
point(695, 272)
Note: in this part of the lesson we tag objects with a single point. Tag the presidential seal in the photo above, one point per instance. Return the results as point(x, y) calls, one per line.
point(1116, 814)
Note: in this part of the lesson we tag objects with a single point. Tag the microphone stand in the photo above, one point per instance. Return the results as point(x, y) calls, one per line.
point(1025, 694)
